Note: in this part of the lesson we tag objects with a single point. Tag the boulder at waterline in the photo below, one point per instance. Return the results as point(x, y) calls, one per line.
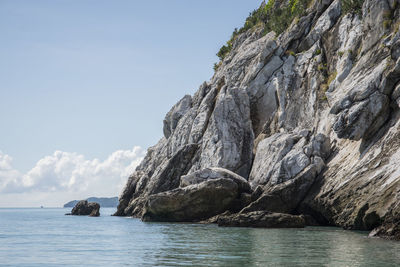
point(191, 203)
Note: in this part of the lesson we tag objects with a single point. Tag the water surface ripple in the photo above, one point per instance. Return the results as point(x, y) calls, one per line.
point(45, 237)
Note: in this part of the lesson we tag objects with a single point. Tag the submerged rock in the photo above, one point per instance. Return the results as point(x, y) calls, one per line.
point(262, 219)
point(84, 207)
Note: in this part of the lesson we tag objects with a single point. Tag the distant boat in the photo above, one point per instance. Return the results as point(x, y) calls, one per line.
point(41, 207)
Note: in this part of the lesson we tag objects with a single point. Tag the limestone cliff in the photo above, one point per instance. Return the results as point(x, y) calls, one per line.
point(309, 118)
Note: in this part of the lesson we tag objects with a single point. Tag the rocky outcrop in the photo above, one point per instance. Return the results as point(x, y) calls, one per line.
point(84, 207)
point(304, 122)
point(286, 166)
point(201, 195)
point(287, 196)
point(105, 202)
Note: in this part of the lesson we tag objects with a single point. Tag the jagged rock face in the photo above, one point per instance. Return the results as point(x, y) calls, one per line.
point(164, 178)
point(337, 76)
point(323, 24)
point(175, 114)
point(285, 197)
point(363, 109)
point(282, 156)
point(228, 140)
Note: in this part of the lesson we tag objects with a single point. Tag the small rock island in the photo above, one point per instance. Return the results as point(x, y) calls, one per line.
point(84, 207)
point(105, 202)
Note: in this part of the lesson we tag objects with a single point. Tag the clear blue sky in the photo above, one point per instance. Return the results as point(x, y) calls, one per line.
point(93, 76)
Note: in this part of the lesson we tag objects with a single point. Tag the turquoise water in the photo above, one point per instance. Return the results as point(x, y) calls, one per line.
point(45, 237)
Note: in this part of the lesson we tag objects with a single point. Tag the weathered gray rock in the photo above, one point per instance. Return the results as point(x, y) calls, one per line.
point(286, 197)
point(374, 14)
point(135, 207)
point(215, 173)
point(127, 194)
point(228, 140)
point(395, 46)
point(191, 203)
point(336, 75)
point(324, 23)
point(363, 118)
point(359, 189)
point(249, 50)
point(362, 109)
point(282, 156)
point(175, 114)
point(84, 207)
point(262, 219)
point(270, 152)
point(169, 173)
point(391, 77)
point(396, 95)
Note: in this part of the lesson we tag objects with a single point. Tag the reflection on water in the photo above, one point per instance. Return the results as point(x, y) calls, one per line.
point(313, 246)
point(45, 237)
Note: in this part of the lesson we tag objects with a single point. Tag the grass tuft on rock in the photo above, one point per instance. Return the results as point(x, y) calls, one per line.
point(352, 6)
point(331, 77)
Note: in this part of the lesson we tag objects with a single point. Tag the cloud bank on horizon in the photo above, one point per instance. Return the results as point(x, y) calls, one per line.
point(61, 176)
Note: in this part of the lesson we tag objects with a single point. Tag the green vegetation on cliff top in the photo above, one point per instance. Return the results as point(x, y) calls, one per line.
point(270, 17)
point(277, 16)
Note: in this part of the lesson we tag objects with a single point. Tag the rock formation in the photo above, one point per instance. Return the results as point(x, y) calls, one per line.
point(84, 207)
point(105, 202)
point(191, 203)
point(301, 122)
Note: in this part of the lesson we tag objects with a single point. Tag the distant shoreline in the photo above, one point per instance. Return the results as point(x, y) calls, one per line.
point(105, 202)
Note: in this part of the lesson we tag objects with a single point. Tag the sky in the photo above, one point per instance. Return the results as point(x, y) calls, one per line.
point(85, 86)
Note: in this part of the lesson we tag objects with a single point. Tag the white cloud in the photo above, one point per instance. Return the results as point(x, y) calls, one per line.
point(8, 176)
point(65, 174)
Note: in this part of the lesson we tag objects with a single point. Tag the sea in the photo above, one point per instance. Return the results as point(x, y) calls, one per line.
point(46, 237)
